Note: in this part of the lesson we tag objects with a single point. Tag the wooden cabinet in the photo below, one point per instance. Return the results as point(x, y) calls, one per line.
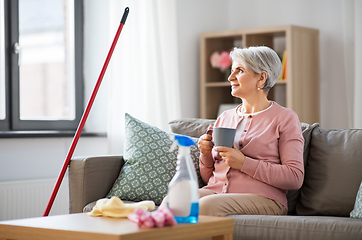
point(298, 91)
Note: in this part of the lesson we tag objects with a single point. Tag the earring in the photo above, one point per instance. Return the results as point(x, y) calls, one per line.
point(258, 88)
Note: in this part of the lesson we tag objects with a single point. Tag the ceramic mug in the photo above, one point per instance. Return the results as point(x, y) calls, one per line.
point(223, 136)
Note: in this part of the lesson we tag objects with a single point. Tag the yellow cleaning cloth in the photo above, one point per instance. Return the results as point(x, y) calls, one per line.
point(115, 207)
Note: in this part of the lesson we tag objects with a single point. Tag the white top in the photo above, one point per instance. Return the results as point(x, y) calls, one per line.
point(241, 126)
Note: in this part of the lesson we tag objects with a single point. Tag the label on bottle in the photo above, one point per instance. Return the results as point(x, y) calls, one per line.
point(179, 199)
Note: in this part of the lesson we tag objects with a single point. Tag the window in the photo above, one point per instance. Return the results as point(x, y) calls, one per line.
point(40, 64)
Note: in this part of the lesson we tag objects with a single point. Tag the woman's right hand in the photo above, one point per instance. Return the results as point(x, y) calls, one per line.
point(205, 143)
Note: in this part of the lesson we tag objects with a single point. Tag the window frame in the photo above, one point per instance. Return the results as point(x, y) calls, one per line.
point(12, 121)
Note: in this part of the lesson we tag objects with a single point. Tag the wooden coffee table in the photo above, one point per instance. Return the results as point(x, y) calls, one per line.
point(81, 226)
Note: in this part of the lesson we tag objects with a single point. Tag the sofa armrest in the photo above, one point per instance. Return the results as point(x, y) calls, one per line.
point(91, 178)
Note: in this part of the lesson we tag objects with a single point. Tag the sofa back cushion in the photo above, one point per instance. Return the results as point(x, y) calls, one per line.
point(333, 173)
point(194, 127)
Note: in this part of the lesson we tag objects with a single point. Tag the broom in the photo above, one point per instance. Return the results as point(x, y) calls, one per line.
point(85, 116)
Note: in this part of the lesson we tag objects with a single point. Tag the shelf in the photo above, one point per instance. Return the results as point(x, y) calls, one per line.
point(282, 81)
point(218, 84)
point(300, 92)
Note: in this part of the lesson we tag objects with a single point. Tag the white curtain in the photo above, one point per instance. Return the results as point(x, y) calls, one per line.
point(143, 71)
point(352, 31)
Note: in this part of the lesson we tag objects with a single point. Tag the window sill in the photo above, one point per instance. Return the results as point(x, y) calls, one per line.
point(47, 134)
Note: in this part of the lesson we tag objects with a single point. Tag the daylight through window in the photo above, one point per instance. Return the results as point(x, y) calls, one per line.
point(46, 60)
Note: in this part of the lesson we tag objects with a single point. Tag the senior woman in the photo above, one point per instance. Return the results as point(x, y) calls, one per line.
point(266, 161)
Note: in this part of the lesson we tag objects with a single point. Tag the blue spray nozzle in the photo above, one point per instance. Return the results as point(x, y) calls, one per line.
point(184, 141)
point(181, 140)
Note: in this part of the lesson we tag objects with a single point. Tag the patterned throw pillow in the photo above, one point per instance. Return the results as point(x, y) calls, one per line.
point(357, 211)
point(149, 165)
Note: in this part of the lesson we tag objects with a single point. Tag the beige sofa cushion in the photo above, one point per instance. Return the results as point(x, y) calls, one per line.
point(333, 173)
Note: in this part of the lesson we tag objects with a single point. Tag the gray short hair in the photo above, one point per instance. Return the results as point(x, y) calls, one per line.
point(260, 59)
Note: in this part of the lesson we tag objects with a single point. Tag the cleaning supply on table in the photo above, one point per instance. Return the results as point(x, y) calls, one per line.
point(158, 218)
point(115, 207)
point(183, 195)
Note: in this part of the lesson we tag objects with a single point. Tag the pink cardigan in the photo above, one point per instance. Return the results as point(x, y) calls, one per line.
point(273, 145)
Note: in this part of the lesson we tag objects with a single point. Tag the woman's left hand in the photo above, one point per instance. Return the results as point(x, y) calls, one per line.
point(232, 156)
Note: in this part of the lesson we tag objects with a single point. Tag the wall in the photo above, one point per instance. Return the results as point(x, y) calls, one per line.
point(193, 18)
point(199, 16)
point(33, 158)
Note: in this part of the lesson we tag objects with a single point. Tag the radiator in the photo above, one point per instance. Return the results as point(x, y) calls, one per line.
point(29, 198)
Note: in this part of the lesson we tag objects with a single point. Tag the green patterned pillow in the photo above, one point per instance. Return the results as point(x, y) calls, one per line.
point(149, 165)
point(357, 211)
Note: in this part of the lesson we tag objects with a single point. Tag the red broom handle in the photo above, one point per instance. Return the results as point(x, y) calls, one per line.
point(85, 116)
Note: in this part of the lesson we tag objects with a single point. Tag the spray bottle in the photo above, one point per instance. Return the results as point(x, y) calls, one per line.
point(183, 195)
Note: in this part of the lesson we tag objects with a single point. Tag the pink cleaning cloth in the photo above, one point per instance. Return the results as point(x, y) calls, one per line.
point(159, 218)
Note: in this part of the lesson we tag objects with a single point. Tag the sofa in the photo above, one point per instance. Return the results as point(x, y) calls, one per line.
point(320, 209)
